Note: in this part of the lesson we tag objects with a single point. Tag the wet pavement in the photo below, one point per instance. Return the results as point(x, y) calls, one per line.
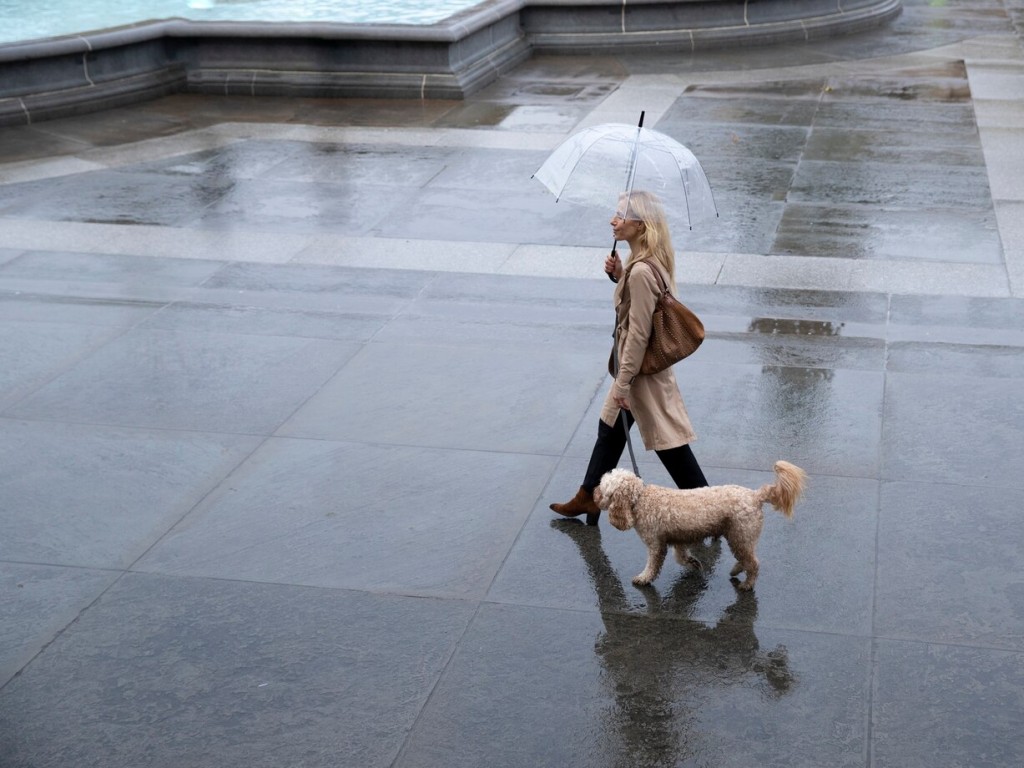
point(289, 384)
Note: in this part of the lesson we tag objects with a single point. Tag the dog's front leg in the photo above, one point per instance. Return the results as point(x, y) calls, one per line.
point(656, 552)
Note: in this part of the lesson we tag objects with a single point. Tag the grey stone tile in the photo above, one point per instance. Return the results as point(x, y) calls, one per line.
point(561, 563)
point(359, 517)
point(28, 142)
point(496, 309)
point(264, 321)
point(732, 146)
point(825, 420)
point(544, 118)
point(958, 320)
point(811, 273)
point(845, 144)
point(151, 242)
point(246, 159)
point(754, 179)
point(400, 113)
point(950, 428)
point(1005, 167)
point(382, 285)
point(75, 310)
point(182, 670)
point(873, 231)
point(35, 352)
point(1011, 231)
point(280, 290)
point(189, 380)
point(745, 225)
point(762, 347)
point(445, 256)
point(36, 603)
point(7, 254)
point(357, 166)
point(504, 216)
point(937, 278)
point(922, 187)
point(491, 169)
point(771, 331)
point(496, 397)
point(475, 114)
point(941, 82)
point(114, 197)
point(996, 362)
point(302, 207)
point(116, 127)
point(950, 564)
point(99, 497)
point(983, 17)
point(999, 112)
point(690, 694)
point(895, 115)
point(781, 103)
point(577, 262)
point(946, 705)
point(131, 273)
point(831, 313)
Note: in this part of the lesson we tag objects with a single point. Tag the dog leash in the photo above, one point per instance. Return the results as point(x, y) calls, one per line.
point(622, 411)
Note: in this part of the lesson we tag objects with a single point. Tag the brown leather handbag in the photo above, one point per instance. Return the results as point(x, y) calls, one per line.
point(676, 332)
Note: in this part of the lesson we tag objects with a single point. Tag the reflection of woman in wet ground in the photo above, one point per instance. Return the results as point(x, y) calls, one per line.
point(652, 400)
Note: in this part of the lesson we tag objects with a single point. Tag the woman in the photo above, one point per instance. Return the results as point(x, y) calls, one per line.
point(652, 401)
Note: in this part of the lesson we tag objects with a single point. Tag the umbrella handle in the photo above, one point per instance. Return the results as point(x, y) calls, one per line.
point(612, 277)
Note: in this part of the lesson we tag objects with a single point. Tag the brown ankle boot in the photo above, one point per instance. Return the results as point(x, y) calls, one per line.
point(580, 504)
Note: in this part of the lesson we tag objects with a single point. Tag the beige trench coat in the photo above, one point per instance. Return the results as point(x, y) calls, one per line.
point(654, 399)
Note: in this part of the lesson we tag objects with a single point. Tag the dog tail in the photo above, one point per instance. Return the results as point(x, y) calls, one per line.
point(789, 484)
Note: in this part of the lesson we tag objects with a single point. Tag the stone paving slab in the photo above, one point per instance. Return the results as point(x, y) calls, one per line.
point(331, 514)
point(100, 497)
point(181, 669)
point(693, 686)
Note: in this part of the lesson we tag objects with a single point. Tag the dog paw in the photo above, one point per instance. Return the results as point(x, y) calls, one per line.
point(641, 581)
point(745, 586)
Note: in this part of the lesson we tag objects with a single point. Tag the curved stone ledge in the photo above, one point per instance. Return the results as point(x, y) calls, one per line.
point(46, 79)
point(564, 26)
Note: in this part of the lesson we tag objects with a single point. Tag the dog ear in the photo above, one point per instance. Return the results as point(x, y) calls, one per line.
point(620, 507)
point(634, 486)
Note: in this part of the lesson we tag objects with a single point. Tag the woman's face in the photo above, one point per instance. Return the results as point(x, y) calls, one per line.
point(624, 229)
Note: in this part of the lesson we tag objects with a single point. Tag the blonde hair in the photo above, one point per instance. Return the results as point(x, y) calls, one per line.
point(655, 240)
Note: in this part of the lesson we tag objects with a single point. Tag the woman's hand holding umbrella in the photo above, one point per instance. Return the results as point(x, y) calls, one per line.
point(613, 266)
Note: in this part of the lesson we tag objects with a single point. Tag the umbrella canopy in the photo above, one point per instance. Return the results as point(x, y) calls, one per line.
point(600, 163)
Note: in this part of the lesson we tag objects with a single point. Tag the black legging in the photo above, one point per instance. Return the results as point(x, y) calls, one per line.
point(611, 442)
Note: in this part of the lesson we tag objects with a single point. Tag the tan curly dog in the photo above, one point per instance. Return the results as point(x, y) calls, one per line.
point(666, 517)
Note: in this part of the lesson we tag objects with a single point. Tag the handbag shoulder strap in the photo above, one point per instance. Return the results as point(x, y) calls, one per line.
point(657, 275)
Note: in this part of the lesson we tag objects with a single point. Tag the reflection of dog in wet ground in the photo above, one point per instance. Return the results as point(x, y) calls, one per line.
point(664, 666)
point(666, 517)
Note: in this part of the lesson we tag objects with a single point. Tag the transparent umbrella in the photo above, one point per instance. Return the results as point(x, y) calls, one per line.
point(600, 163)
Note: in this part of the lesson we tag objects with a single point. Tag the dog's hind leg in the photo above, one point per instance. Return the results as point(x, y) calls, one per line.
point(685, 557)
point(655, 559)
point(746, 561)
